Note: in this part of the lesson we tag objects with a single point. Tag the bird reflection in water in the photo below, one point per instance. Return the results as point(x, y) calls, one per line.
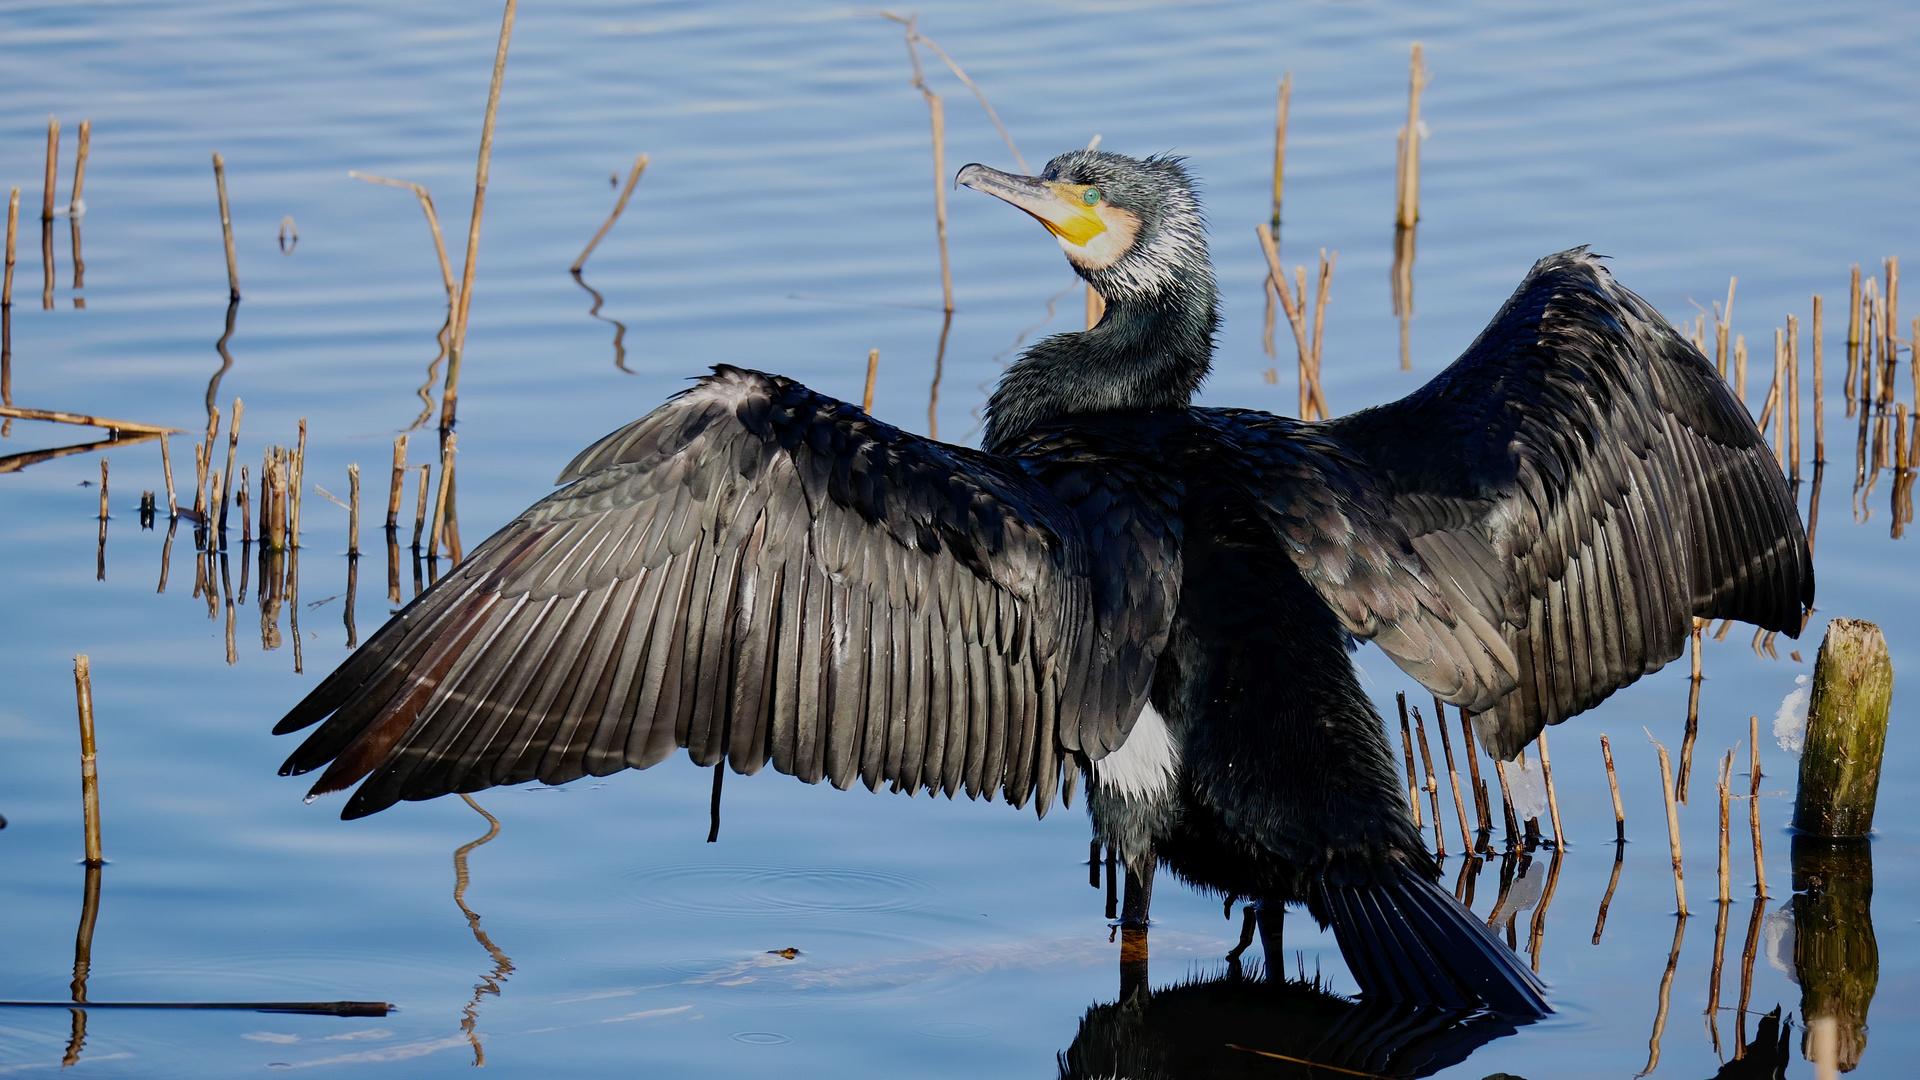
point(1270, 1026)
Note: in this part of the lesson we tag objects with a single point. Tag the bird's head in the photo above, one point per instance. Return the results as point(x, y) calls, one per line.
point(1131, 226)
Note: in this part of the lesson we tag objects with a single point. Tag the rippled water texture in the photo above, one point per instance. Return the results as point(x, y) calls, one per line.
point(786, 222)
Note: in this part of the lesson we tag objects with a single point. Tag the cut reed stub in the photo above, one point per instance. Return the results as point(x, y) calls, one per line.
point(1673, 826)
point(226, 226)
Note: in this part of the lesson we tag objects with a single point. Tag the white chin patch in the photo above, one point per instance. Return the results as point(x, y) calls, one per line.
point(1144, 765)
point(1105, 249)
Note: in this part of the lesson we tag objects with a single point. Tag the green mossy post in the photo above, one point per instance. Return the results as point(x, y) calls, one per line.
point(1835, 955)
point(1846, 732)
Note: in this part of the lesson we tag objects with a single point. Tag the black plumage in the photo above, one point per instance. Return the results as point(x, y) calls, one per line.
point(1160, 596)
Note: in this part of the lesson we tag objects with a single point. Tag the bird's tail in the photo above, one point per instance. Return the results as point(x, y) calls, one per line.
point(1405, 939)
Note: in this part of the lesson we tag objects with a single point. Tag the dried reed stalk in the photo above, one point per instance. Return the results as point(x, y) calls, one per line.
point(1482, 811)
point(1819, 388)
point(1726, 795)
point(77, 208)
point(1740, 367)
point(1553, 796)
point(88, 421)
point(246, 525)
point(103, 489)
point(633, 178)
point(294, 483)
point(1312, 399)
point(1433, 784)
point(1753, 808)
point(1722, 326)
point(89, 775)
point(1280, 146)
point(1453, 774)
point(393, 486)
point(1613, 786)
point(1793, 398)
point(1406, 746)
point(353, 511)
point(1407, 192)
point(13, 231)
point(226, 227)
point(433, 222)
point(440, 500)
point(458, 339)
point(166, 466)
point(233, 445)
point(1506, 801)
point(1673, 825)
point(915, 37)
point(873, 372)
point(937, 114)
point(420, 506)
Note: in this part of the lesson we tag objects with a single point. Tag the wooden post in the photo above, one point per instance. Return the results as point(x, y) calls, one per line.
point(1846, 731)
point(89, 777)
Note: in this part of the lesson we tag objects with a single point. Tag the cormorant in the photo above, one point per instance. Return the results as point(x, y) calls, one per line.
point(1160, 596)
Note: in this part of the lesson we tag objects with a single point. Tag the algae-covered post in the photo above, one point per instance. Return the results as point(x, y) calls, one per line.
point(1846, 731)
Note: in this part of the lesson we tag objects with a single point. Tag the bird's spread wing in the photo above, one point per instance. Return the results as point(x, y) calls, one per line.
point(1538, 526)
point(759, 573)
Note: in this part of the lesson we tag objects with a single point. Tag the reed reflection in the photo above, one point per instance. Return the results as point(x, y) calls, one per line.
point(502, 965)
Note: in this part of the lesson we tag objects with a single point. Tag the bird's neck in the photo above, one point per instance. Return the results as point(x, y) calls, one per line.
point(1146, 353)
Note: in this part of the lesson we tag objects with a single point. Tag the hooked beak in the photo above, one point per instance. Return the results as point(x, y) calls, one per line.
point(1059, 207)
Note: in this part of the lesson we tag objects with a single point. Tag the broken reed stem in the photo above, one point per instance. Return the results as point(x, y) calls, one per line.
point(1722, 325)
point(1673, 825)
point(1740, 367)
point(166, 466)
point(1312, 398)
point(75, 208)
point(294, 484)
point(433, 222)
point(1553, 797)
point(398, 480)
point(226, 227)
point(458, 339)
point(420, 507)
point(89, 776)
point(937, 110)
point(873, 372)
point(633, 178)
point(915, 36)
point(1280, 147)
point(1819, 399)
point(1433, 784)
point(1613, 786)
point(233, 445)
point(1453, 774)
point(1406, 746)
point(103, 489)
point(1407, 212)
point(1323, 291)
point(353, 511)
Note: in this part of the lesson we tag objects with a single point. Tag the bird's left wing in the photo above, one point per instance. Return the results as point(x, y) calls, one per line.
point(1538, 526)
point(758, 573)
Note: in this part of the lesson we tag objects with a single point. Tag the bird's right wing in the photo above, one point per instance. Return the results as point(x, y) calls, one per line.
point(760, 573)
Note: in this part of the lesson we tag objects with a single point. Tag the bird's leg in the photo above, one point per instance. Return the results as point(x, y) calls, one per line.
point(1246, 940)
point(1133, 927)
point(1270, 914)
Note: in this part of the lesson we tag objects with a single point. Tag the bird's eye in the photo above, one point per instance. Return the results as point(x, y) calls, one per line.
point(1092, 196)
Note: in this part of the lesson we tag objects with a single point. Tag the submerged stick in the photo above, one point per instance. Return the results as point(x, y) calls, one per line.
point(633, 178)
point(873, 372)
point(226, 227)
point(89, 776)
point(1673, 826)
point(458, 347)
